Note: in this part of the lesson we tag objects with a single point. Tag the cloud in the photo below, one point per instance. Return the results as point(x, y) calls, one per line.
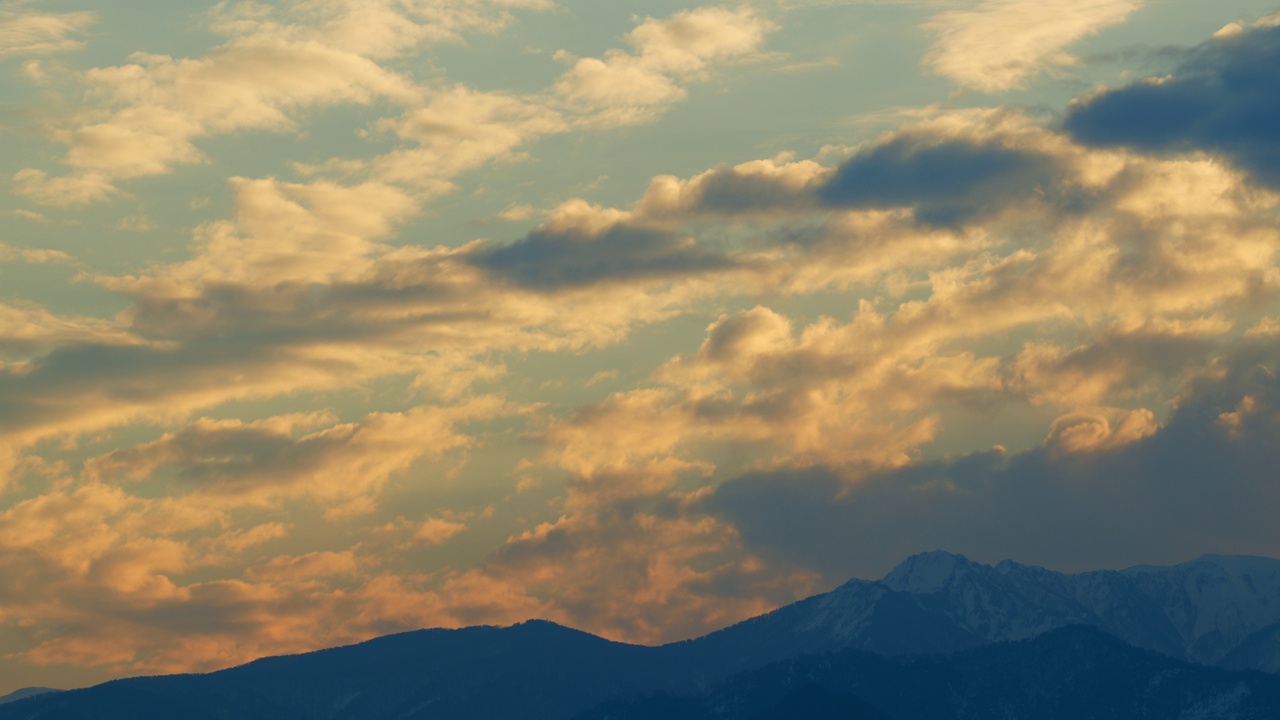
point(146, 117)
point(1219, 100)
point(1097, 495)
point(1093, 430)
point(581, 245)
point(459, 129)
point(143, 118)
point(308, 567)
point(284, 233)
point(96, 544)
point(853, 395)
point(624, 88)
point(379, 29)
point(763, 187)
point(246, 84)
point(950, 167)
point(111, 570)
point(298, 291)
point(25, 214)
point(24, 32)
point(647, 572)
point(65, 191)
point(1147, 280)
point(343, 467)
point(948, 182)
point(1115, 364)
point(438, 530)
point(27, 329)
point(36, 256)
point(301, 291)
point(1001, 44)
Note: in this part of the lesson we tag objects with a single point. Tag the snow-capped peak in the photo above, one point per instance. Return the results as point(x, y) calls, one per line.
point(928, 572)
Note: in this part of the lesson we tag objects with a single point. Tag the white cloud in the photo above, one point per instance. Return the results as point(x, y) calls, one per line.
point(1000, 44)
point(9, 253)
point(152, 110)
point(624, 87)
point(144, 118)
point(378, 29)
point(66, 191)
point(23, 32)
point(459, 129)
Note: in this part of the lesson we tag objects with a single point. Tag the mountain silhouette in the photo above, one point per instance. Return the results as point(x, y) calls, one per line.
point(940, 636)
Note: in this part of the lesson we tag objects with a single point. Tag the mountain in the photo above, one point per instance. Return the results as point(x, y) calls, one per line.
point(26, 693)
point(1259, 651)
point(1066, 674)
point(920, 629)
point(533, 670)
point(1210, 610)
point(1216, 601)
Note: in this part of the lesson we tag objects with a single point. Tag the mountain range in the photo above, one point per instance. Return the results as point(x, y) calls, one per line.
point(940, 636)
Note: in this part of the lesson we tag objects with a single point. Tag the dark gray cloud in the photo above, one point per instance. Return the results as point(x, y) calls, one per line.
point(947, 181)
point(1223, 99)
point(548, 259)
point(1206, 482)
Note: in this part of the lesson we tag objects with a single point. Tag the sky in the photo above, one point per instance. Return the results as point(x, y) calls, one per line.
point(326, 319)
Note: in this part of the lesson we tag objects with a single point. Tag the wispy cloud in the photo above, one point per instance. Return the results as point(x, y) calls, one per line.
point(28, 32)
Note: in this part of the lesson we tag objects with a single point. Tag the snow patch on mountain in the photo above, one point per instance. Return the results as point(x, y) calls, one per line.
point(940, 602)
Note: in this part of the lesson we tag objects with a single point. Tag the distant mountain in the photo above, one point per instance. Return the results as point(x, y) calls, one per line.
point(921, 629)
point(1067, 674)
point(26, 693)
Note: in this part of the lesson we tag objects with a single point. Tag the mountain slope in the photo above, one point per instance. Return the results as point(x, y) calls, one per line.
point(1067, 674)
